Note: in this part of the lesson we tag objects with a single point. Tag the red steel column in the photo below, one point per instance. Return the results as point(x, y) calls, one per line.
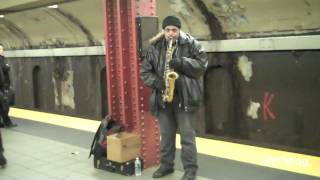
point(128, 98)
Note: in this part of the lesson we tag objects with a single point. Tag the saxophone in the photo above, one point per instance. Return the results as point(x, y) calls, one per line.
point(169, 75)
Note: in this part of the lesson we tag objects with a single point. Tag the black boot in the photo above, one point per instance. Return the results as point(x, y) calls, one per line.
point(162, 172)
point(1, 123)
point(189, 175)
point(7, 121)
point(10, 125)
point(3, 160)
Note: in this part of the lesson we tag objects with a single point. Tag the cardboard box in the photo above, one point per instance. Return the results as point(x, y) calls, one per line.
point(122, 147)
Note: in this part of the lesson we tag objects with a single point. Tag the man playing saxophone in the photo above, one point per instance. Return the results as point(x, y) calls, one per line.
point(173, 68)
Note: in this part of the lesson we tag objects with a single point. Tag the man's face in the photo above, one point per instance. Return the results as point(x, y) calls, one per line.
point(171, 32)
point(1, 50)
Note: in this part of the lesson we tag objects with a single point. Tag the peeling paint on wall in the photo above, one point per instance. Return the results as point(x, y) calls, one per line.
point(64, 91)
point(214, 24)
point(253, 110)
point(68, 91)
point(230, 12)
point(245, 67)
point(56, 95)
point(179, 6)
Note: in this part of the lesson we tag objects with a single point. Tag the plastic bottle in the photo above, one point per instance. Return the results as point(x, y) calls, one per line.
point(137, 167)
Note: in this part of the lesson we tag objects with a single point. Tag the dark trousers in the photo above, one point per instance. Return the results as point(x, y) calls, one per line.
point(5, 118)
point(1, 145)
point(172, 119)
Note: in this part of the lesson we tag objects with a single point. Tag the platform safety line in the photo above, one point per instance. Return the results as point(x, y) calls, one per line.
point(55, 119)
point(293, 162)
point(288, 161)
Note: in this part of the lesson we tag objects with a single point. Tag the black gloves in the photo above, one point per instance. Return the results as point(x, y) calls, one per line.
point(159, 84)
point(175, 64)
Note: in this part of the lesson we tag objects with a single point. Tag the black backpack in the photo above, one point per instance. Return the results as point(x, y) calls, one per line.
point(99, 144)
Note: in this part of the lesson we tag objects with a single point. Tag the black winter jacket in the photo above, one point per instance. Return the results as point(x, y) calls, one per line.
point(4, 74)
point(192, 66)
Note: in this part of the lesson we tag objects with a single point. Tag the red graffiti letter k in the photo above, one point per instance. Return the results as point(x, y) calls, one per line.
point(265, 106)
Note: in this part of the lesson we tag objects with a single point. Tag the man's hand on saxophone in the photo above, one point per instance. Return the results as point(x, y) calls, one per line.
point(175, 64)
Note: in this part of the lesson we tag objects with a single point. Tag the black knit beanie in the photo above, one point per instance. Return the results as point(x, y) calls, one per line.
point(171, 20)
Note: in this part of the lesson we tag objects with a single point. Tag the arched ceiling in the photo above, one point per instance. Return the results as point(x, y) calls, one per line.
point(31, 24)
point(77, 23)
point(11, 6)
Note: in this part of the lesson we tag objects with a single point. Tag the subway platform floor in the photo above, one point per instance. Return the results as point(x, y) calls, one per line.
point(36, 158)
point(39, 151)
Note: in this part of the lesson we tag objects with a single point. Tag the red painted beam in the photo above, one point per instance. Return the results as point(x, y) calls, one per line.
point(127, 97)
